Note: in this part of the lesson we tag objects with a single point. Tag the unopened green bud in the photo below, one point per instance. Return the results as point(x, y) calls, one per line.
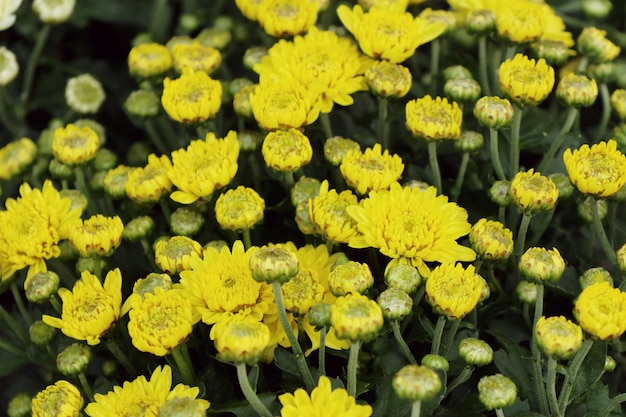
point(40, 333)
point(109, 367)
point(475, 352)
point(241, 101)
point(148, 284)
point(41, 286)
point(602, 73)
point(480, 22)
point(90, 264)
point(526, 292)
point(496, 391)
point(563, 185)
point(462, 89)
point(238, 84)
point(59, 170)
point(96, 181)
point(68, 252)
point(218, 245)
point(554, 52)
point(609, 364)
point(395, 303)
point(597, 9)
point(499, 193)
point(250, 140)
point(84, 94)
point(303, 219)
point(78, 200)
point(214, 38)
point(44, 142)
point(319, 315)
point(387, 79)
point(74, 359)
point(436, 362)
point(594, 276)
point(138, 153)
point(142, 104)
point(273, 264)
point(181, 407)
point(350, 277)
point(253, 56)
point(336, 148)
point(20, 405)
point(469, 141)
point(584, 209)
point(138, 228)
point(403, 277)
point(619, 134)
point(9, 68)
point(457, 71)
point(493, 112)
point(416, 383)
point(188, 22)
point(577, 90)
point(114, 182)
point(541, 265)
point(303, 189)
point(186, 221)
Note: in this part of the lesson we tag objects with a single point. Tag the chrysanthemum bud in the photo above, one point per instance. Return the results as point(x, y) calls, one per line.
point(303, 219)
point(84, 94)
point(491, 240)
point(73, 145)
point(303, 189)
point(387, 79)
point(462, 89)
point(597, 9)
point(621, 258)
point(74, 359)
point(78, 200)
point(593, 276)
point(577, 90)
point(253, 56)
point(555, 53)
point(403, 277)
point(186, 221)
point(143, 104)
point(172, 255)
point(181, 407)
point(593, 44)
point(214, 37)
point(469, 141)
point(480, 22)
point(148, 284)
point(138, 228)
point(319, 315)
point(499, 193)
point(241, 339)
point(91, 264)
point(526, 292)
point(496, 391)
point(20, 405)
point(8, 66)
point(584, 209)
point(558, 337)
point(40, 333)
point(563, 185)
point(533, 192)
point(273, 264)
point(436, 362)
point(250, 140)
point(286, 150)
point(541, 265)
point(609, 364)
point(350, 277)
point(356, 317)
point(457, 71)
point(54, 11)
point(114, 183)
point(218, 245)
point(241, 101)
point(493, 112)
point(618, 103)
point(395, 303)
point(602, 73)
point(475, 352)
point(97, 236)
point(41, 286)
point(416, 383)
point(336, 148)
point(59, 170)
point(16, 157)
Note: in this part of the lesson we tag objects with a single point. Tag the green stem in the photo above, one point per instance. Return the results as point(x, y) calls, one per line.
point(6, 117)
point(20, 304)
point(158, 20)
point(502, 214)
point(478, 263)
point(353, 363)
point(450, 336)
point(16, 328)
point(495, 154)
point(460, 176)
point(491, 279)
point(121, 357)
point(155, 138)
point(435, 51)
point(515, 132)
point(248, 392)
point(536, 355)
point(85, 384)
point(416, 409)
point(325, 120)
point(56, 304)
point(288, 179)
point(329, 246)
point(606, 110)
point(185, 368)
point(556, 144)
point(441, 324)
point(604, 240)
point(165, 209)
point(4, 345)
point(171, 137)
point(33, 59)
point(81, 184)
point(383, 126)
point(465, 374)
point(570, 377)
point(395, 326)
point(521, 236)
point(322, 352)
point(482, 65)
point(551, 387)
point(247, 242)
point(295, 346)
point(499, 412)
point(615, 401)
point(434, 165)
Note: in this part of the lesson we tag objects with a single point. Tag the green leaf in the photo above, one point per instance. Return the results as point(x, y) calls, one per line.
point(591, 369)
point(286, 361)
point(387, 403)
point(243, 408)
point(516, 364)
point(253, 376)
point(597, 398)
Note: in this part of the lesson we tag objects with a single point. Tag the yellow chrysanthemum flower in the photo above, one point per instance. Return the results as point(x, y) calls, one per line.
point(173, 255)
point(594, 45)
point(73, 145)
point(282, 18)
point(491, 240)
point(192, 98)
point(150, 183)
point(453, 290)
point(160, 321)
point(558, 337)
point(97, 236)
point(239, 209)
point(203, 167)
point(541, 265)
point(284, 104)
point(149, 60)
point(249, 8)
point(371, 170)
point(286, 150)
point(240, 339)
point(328, 214)
point(599, 170)
point(91, 309)
point(405, 222)
point(388, 33)
point(59, 400)
point(434, 119)
point(323, 401)
point(15, 157)
point(601, 311)
point(387, 79)
point(196, 57)
point(525, 81)
point(320, 58)
point(31, 228)
point(520, 21)
point(356, 317)
point(221, 285)
point(554, 29)
point(142, 398)
point(533, 192)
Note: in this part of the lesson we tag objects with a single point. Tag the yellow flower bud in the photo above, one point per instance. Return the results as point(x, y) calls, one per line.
point(434, 119)
point(173, 255)
point(273, 264)
point(387, 79)
point(149, 60)
point(601, 311)
point(558, 337)
point(491, 240)
point(239, 209)
point(541, 265)
point(240, 339)
point(356, 317)
point(453, 290)
point(593, 44)
point(577, 90)
point(351, 277)
point(74, 145)
point(16, 157)
point(533, 192)
point(493, 112)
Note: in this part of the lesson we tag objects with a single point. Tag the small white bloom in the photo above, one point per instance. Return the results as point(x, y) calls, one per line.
point(8, 66)
point(53, 11)
point(84, 94)
point(7, 12)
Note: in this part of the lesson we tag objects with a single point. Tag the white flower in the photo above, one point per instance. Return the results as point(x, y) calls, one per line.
point(84, 94)
point(8, 66)
point(7, 12)
point(53, 11)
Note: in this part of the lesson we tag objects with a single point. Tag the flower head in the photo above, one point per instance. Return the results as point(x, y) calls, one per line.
point(416, 383)
point(599, 170)
point(496, 391)
point(350, 277)
point(193, 97)
point(558, 337)
point(405, 222)
point(282, 18)
point(73, 145)
point(328, 214)
point(149, 60)
point(542, 265)
point(203, 167)
point(276, 263)
point(371, 170)
point(356, 317)
point(387, 32)
point(336, 148)
point(239, 209)
point(434, 119)
point(16, 156)
point(284, 104)
point(173, 255)
point(491, 240)
point(91, 309)
point(475, 352)
point(240, 339)
point(601, 311)
point(387, 79)
point(286, 150)
point(196, 57)
point(142, 397)
point(160, 321)
point(533, 192)
point(59, 400)
point(453, 290)
point(150, 183)
point(97, 236)
point(322, 401)
point(84, 93)
point(7, 13)
point(493, 112)
point(520, 21)
point(577, 90)
point(525, 81)
point(594, 45)
point(395, 303)
point(54, 11)
point(9, 67)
